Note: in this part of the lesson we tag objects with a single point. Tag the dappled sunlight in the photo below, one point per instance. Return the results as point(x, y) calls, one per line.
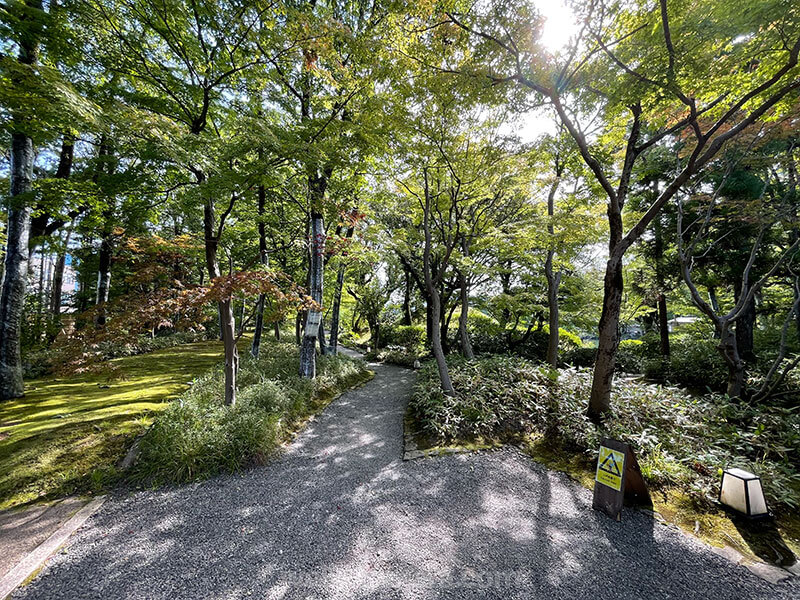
point(340, 515)
point(63, 430)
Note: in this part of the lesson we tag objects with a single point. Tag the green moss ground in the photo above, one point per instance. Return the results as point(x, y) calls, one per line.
point(67, 434)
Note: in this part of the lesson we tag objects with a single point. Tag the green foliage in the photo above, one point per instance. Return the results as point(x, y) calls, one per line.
point(629, 356)
point(39, 363)
point(489, 336)
point(409, 337)
point(680, 439)
point(199, 436)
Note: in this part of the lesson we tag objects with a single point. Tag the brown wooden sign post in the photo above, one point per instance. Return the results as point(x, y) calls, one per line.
point(618, 478)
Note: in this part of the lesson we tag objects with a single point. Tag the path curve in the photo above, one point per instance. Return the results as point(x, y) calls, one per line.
point(340, 515)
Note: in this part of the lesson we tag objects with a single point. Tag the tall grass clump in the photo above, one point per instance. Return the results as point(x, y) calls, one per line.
point(198, 435)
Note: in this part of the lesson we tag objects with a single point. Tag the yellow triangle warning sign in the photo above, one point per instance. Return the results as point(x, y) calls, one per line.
point(610, 465)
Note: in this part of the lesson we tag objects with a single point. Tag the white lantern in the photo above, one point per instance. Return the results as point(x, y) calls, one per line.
point(742, 491)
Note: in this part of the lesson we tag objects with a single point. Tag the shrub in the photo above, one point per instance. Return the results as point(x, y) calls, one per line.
point(489, 337)
point(630, 357)
point(198, 435)
point(680, 439)
point(697, 363)
point(580, 357)
point(395, 356)
point(410, 337)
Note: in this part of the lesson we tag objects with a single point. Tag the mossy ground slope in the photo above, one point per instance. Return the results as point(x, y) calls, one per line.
point(67, 434)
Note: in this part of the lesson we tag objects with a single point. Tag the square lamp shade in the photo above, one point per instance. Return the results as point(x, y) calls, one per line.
point(742, 491)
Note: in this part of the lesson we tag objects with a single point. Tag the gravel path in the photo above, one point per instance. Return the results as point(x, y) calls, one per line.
point(341, 516)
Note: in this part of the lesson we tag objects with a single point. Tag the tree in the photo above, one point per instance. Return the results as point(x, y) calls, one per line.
point(648, 74)
point(15, 272)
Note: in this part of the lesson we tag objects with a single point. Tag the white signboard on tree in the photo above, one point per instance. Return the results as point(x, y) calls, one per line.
point(312, 323)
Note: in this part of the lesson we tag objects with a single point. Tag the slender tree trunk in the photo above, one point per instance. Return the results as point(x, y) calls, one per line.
point(663, 325)
point(308, 367)
point(335, 309)
point(730, 353)
point(436, 346)
point(463, 319)
point(553, 279)
point(505, 285)
point(553, 284)
point(407, 320)
point(337, 296)
point(434, 307)
point(323, 346)
point(663, 321)
point(40, 293)
point(429, 322)
point(224, 307)
point(264, 257)
point(745, 326)
point(603, 378)
point(444, 323)
point(104, 266)
point(103, 279)
point(58, 277)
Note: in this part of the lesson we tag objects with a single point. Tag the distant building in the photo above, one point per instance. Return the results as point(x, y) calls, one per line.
point(678, 322)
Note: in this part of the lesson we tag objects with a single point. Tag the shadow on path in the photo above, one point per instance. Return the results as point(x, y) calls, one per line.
point(340, 515)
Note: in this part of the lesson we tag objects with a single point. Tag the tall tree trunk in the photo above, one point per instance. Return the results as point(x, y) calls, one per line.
point(505, 286)
point(104, 266)
point(745, 326)
point(323, 346)
point(224, 307)
point(15, 273)
point(58, 277)
point(663, 325)
point(444, 322)
point(407, 320)
point(17, 256)
point(463, 319)
point(553, 284)
point(308, 367)
point(730, 353)
point(337, 295)
point(264, 258)
point(658, 248)
point(434, 307)
point(553, 279)
point(608, 329)
point(103, 278)
point(335, 309)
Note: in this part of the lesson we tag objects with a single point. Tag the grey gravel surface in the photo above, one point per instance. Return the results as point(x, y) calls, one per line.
point(340, 515)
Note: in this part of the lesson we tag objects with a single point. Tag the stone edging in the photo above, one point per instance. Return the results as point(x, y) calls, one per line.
point(34, 560)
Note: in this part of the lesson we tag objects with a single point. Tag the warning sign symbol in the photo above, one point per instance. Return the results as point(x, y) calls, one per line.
point(610, 465)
